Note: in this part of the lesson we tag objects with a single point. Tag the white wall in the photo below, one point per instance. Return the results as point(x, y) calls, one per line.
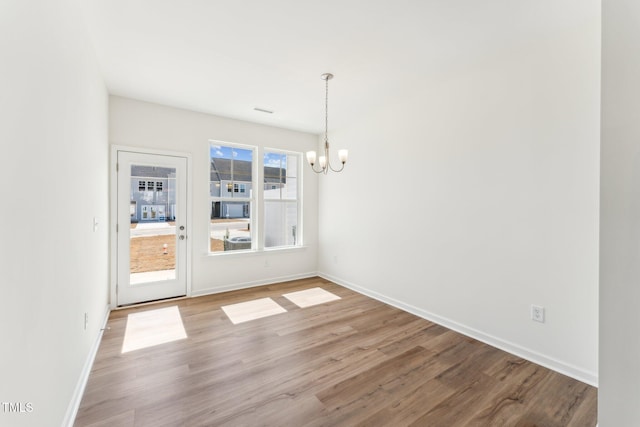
point(54, 179)
point(620, 216)
point(139, 124)
point(504, 155)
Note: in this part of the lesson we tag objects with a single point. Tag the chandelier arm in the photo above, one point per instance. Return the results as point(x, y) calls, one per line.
point(336, 170)
point(313, 168)
point(326, 154)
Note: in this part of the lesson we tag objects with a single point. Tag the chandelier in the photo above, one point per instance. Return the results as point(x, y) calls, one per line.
point(324, 161)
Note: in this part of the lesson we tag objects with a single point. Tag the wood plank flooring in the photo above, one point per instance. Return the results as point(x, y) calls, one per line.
point(349, 362)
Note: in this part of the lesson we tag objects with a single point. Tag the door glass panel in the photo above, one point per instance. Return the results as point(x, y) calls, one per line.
point(152, 229)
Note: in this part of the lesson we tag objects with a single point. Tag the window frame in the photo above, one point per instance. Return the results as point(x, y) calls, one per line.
point(251, 197)
point(298, 199)
point(254, 195)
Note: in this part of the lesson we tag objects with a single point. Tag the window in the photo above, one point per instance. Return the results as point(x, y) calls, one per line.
point(159, 186)
point(230, 184)
point(150, 185)
point(281, 199)
point(233, 177)
point(142, 186)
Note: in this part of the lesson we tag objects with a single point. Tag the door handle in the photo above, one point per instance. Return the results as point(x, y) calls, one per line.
point(182, 237)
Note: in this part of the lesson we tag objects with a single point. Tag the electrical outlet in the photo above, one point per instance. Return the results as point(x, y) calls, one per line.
point(537, 313)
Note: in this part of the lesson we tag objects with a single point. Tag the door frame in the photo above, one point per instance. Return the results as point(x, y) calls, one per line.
point(113, 214)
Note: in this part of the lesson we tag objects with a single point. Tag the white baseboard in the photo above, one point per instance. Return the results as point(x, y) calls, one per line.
point(245, 285)
point(74, 404)
point(579, 374)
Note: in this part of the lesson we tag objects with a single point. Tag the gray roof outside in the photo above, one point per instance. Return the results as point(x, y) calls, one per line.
point(275, 175)
point(221, 171)
point(140, 171)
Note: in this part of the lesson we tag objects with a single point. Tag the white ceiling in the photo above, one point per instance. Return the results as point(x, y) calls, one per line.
point(227, 57)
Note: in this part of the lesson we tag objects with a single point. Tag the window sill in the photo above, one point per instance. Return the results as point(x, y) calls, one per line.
point(255, 252)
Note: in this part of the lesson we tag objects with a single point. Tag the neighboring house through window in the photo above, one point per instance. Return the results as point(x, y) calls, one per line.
point(231, 168)
point(152, 193)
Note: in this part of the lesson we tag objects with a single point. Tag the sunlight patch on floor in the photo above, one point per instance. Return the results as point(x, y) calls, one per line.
point(309, 297)
point(251, 310)
point(153, 327)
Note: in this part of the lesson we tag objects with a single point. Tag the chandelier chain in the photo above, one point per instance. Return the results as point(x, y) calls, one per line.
point(326, 109)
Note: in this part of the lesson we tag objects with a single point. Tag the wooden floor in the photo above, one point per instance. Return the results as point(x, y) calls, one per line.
point(350, 362)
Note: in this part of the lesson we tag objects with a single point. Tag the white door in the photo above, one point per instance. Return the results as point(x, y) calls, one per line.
point(151, 227)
